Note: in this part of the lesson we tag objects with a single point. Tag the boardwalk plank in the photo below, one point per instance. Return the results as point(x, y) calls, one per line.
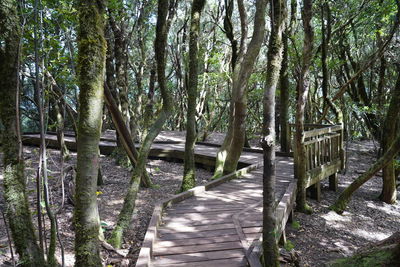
point(232, 262)
point(213, 233)
point(201, 256)
point(197, 209)
point(190, 222)
point(180, 228)
point(195, 241)
point(196, 248)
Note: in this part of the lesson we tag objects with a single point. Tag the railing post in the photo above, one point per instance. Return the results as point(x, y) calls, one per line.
point(342, 150)
point(295, 161)
point(288, 138)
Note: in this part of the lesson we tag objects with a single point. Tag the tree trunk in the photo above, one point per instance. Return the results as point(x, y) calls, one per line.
point(274, 57)
point(284, 85)
point(229, 153)
point(189, 172)
point(39, 93)
point(91, 66)
point(17, 206)
point(120, 126)
point(303, 88)
point(390, 128)
point(60, 112)
point(166, 11)
point(344, 198)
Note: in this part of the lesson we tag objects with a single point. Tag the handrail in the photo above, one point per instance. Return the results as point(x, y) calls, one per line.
point(324, 150)
point(321, 131)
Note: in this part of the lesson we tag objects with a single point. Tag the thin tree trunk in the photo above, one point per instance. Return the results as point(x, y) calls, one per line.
point(51, 260)
point(166, 11)
point(17, 206)
point(229, 153)
point(189, 172)
point(91, 58)
point(120, 126)
point(284, 85)
point(274, 57)
point(390, 128)
point(60, 112)
point(344, 198)
point(303, 88)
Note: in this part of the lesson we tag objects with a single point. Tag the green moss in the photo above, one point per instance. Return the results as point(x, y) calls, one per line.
point(296, 225)
point(374, 259)
point(289, 245)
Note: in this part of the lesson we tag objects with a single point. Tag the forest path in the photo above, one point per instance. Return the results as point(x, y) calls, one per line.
point(217, 227)
point(216, 224)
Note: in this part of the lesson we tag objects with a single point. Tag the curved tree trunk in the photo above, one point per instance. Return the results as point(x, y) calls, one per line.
point(189, 172)
point(274, 57)
point(344, 198)
point(303, 88)
point(91, 68)
point(166, 10)
point(229, 153)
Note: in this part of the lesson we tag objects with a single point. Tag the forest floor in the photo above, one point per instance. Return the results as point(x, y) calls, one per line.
point(167, 175)
point(325, 235)
point(318, 238)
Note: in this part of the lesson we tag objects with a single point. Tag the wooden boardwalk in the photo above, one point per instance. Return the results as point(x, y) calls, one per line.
point(217, 224)
point(216, 227)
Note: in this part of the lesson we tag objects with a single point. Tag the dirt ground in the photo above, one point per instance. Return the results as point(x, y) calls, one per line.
point(325, 235)
point(167, 175)
point(318, 238)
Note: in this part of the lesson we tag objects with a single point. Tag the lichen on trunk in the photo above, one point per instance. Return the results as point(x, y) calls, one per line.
point(274, 57)
point(189, 172)
point(303, 89)
point(91, 67)
point(16, 200)
point(229, 153)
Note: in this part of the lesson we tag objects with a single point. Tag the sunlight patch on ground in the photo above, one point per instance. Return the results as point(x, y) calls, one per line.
point(391, 210)
point(115, 202)
point(332, 217)
point(68, 257)
point(371, 235)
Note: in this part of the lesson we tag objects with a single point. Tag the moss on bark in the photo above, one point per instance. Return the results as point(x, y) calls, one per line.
point(17, 207)
point(189, 172)
point(166, 10)
point(391, 126)
point(91, 67)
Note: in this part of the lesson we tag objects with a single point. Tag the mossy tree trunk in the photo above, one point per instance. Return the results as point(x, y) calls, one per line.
point(229, 153)
point(390, 128)
point(189, 172)
point(303, 85)
point(344, 198)
point(17, 206)
point(91, 67)
point(274, 57)
point(166, 12)
point(284, 85)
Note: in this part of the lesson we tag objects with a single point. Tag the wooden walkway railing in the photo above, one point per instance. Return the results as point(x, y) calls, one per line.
point(325, 154)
